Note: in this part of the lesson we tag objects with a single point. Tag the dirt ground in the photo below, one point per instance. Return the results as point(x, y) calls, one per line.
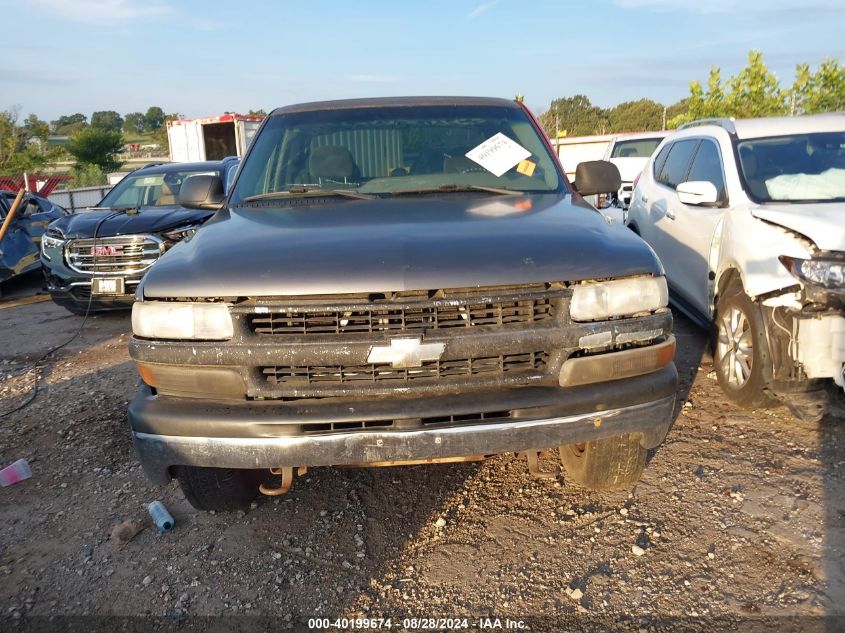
point(740, 517)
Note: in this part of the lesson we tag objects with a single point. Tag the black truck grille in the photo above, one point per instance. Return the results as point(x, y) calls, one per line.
point(407, 318)
point(530, 363)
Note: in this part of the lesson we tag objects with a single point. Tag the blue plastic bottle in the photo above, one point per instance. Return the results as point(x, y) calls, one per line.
point(160, 516)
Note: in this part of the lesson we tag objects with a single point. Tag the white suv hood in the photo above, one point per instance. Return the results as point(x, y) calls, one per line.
point(823, 223)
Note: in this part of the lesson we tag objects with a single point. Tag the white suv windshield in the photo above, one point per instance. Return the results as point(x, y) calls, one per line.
point(390, 150)
point(795, 168)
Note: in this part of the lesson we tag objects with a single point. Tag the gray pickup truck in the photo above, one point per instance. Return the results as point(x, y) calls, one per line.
point(399, 281)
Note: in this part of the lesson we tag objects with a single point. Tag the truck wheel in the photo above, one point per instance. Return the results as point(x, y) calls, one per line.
point(218, 488)
point(741, 352)
point(613, 463)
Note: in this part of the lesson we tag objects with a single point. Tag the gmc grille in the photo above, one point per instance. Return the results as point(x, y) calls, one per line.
point(124, 254)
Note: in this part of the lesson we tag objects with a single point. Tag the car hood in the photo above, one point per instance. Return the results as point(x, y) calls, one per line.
point(629, 166)
point(823, 223)
point(405, 243)
point(147, 220)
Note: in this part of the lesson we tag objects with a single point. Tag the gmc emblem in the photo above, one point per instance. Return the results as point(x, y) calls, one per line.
point(106, 250)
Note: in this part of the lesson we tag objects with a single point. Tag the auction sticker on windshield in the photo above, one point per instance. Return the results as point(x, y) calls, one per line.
point(498, 154)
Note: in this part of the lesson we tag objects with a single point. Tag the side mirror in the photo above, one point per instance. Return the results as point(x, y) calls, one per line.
point(698, 192)
point(201, 192)
point(597, 176)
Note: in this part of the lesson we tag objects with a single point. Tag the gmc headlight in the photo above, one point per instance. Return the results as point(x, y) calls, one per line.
point(826, 273)
point(50, 243)
point(618, 298)
point(181, 320)
point(181, 233)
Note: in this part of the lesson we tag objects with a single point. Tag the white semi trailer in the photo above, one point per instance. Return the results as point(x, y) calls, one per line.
point(211, 138)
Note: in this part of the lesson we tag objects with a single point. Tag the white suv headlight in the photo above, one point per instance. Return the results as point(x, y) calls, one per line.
point(181, 320)
point(821, 272)
point(618, 298)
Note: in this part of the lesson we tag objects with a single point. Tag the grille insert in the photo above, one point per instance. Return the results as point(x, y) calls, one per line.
point(123, 254)
point(408, 318)
point(430, 371)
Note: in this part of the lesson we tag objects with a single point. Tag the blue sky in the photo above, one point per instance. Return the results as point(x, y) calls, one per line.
point(205, 57)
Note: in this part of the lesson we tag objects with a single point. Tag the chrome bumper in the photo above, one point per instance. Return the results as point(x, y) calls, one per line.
point(159, 453)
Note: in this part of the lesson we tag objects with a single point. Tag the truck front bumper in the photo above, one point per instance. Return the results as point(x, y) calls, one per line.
point(171, 432)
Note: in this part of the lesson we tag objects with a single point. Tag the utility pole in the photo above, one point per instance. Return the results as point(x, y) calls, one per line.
point(664, 117)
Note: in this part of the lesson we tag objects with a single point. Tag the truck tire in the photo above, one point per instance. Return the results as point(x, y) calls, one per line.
point(218, 489)
point(741, 352)
point(613, 463)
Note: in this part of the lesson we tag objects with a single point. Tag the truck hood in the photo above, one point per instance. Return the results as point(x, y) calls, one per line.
point(629, 166)
point(405, 243)
point(147, 220)
point(823, 223)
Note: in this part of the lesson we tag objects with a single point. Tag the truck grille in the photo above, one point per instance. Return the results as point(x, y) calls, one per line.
point(124, 254)
point(530, 363)
point(434, 315)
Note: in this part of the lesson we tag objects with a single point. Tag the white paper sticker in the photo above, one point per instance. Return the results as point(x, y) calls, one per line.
point(498, 154)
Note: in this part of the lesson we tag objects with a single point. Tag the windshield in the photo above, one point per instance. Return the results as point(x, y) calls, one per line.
point(639, 148)
point(149, 190)
point(795, 168)
point(391, 150)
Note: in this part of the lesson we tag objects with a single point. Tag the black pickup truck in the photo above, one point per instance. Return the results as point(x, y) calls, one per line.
point(399, 281)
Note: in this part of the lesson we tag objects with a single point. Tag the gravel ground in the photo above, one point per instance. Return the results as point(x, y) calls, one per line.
point(739, 517)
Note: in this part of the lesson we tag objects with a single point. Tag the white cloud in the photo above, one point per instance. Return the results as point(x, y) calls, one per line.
point(732, 6)
point(99, 12)
point(481, 8)
point(371, 79)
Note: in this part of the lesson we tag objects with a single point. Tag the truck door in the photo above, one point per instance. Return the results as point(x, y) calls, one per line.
point(194, 140)
point(178, 140)
point(244, 131)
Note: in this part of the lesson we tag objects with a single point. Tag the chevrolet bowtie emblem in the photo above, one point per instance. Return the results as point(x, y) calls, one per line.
point(406, 352)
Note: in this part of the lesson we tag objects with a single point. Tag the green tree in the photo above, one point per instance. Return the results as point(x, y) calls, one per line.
point(17, 153)
point(755, 91)
point(88, 175)
point(154, 118)
point(97, 147)
point(635, 116)
point(574, 116)
point(69, 121)
point(107, 120)
point(820, 91)
point(261, 112)
point(135, 123)
point(36, 128)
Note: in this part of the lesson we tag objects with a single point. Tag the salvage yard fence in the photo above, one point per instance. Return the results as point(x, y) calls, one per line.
point(77, 199)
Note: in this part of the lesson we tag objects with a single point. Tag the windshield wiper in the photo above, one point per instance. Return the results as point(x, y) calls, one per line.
point(301, 190)
point(456, 187)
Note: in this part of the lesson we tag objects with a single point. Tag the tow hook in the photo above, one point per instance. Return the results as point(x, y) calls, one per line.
point(534, 466)
point(287, 480)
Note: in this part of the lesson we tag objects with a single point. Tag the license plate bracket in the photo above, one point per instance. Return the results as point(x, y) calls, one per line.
point(108, 286)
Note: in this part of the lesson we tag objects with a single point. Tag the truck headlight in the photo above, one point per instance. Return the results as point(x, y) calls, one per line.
point(181, 233)
point(618, 298)
point(50, 243)
point(181, 320)
point(827, 273)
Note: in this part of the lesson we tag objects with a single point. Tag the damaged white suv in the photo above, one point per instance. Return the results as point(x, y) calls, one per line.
point(748, 218)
